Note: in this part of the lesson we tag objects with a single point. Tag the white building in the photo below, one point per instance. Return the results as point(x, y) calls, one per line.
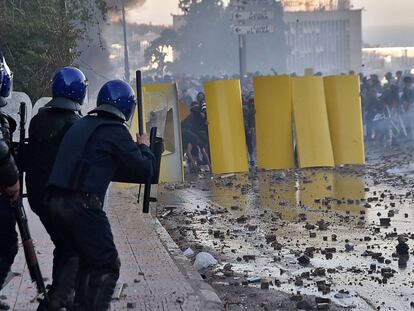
point(327, 41)
point(315, 5)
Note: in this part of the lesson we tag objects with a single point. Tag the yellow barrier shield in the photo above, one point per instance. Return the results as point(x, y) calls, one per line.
point(226, 129)
point(273, 103)
point(311, 122)
point(345, 119)
point(161, 110)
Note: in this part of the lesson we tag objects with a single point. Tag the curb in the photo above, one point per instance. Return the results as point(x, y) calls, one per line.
point(209, 299)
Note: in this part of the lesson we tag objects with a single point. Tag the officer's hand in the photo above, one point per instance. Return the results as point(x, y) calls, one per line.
point(143, 139)
point(13, 191)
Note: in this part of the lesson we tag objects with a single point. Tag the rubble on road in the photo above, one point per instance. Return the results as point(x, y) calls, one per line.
point(317, 239)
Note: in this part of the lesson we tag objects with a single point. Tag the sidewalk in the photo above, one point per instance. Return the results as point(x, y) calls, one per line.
point(156, 274)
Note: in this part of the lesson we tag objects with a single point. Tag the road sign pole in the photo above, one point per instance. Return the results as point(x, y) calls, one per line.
point(243, 55)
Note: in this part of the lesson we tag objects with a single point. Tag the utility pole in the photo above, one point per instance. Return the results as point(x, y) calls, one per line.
point(242, 55)
point(126, 57)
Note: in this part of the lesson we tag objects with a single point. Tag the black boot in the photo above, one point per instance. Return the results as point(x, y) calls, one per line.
point(44, 306)
point(100, 291)
point(81, 290)
point(4, 270)
point(4, 306)
point(5, 265)
point(63, 284)
point(6, 261)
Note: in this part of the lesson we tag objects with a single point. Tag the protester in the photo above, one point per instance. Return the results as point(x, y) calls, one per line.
point(195, 136)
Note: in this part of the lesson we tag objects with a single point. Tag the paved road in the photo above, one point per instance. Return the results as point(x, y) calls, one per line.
point(156, 275)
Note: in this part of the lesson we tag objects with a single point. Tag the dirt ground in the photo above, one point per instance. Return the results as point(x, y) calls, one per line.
point(314, 239)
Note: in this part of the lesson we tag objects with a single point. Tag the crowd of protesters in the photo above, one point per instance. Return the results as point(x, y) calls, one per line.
point(387, 111)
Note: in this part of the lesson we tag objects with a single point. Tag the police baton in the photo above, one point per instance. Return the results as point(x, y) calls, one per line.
point(28, 247)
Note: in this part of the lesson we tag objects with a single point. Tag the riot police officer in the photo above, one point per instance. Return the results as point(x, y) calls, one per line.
point(9, 180)
point(46, 132)
point(96, 150)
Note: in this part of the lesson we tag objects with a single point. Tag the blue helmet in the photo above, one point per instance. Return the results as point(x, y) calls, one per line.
point(116, 97)
point(6, 81)
point(70, 83)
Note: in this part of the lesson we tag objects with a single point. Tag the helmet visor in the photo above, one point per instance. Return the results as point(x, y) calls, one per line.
point(7, 85)
point(132, 117)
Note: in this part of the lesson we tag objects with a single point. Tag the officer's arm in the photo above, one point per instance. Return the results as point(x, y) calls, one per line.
point(9, 174)
point(136, 163)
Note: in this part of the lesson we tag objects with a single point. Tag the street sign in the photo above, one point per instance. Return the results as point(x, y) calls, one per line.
point(253, 16)
point(252, 29)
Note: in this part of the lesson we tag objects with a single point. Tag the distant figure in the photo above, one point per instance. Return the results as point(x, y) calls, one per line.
point(407, 100)
point(186, 98)
point(195, 137)
point(249, 127)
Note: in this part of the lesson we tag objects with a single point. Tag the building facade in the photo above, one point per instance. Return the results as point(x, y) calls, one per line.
point(379, 60)
point(327, 41)
point(315, 5)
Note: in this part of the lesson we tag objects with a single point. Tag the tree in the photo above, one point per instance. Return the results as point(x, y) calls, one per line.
point(206, 46)
point(38, 37)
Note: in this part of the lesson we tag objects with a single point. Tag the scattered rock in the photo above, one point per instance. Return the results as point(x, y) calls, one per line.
point(349, 247)
point(188, 253)
point(298, 281)
point(204, 260)
point(241, 219)
point(249, 257)
point(270, 238)
point(264, 284)
point(303, 305)
point(131, 305)
point(402, 248)
point(253, 280)
point(385, 222)
point(303, 260)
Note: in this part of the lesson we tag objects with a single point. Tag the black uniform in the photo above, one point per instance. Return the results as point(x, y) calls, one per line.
point(249, 126)
point(9, 175)
point(46, 132)
point(96, 150)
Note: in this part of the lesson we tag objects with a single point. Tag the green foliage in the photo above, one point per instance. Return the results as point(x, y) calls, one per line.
point(39, 36)
point(206, 46)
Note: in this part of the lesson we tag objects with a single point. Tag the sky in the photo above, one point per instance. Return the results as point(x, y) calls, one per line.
point(385, 22)
point(157, 12)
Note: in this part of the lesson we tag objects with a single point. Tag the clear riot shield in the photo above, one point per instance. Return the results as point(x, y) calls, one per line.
point(12, 109)
point(40, 104)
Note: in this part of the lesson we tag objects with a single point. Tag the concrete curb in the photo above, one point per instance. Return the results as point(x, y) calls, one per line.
point(209, 298)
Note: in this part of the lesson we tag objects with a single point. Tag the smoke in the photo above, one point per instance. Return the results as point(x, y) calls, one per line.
point(115, 7)
point(134, 3)
point(94, 60)
point(129, 4)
